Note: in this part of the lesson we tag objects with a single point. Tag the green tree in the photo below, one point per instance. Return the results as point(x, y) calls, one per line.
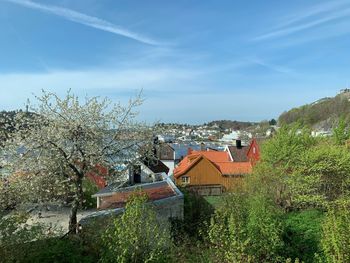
point(137, 236)
point(65, 139)
point(227, 233)
point(246, 229)
point(280, 157)
point(341, 132)
point(272, 122)
point(322, 176)
point(336, 239)
point(264, 229)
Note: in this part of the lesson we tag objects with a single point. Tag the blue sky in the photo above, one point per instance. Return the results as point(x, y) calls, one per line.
point(196, 61)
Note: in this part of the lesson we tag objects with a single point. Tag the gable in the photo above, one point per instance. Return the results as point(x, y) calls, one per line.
point(254, 151)
point(165, 152)
point(239, 154)
point(204, 172)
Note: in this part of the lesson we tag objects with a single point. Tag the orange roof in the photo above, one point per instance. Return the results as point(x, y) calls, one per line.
point(186, 164)
point(214, 156)
point(221, 160)
point(235, 168)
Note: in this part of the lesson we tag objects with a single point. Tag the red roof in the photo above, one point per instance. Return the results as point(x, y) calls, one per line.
point(119, 199)
point(97, 174)
point(221, 160)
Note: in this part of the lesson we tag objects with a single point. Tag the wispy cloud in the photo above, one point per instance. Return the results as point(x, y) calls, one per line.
point(87, 20)
point(270, 66)
point(312, 11)
point(164, 91)
point(312, 18)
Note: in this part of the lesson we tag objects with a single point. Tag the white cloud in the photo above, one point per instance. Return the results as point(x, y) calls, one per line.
point(17, 87)
point(304, 14)
point(87, 20)
point(273, 67)
point(303, 22)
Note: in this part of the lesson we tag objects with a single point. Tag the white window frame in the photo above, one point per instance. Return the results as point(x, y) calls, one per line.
point(185, 179)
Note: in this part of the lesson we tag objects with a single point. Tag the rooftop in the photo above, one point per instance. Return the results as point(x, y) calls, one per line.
point(114, 196)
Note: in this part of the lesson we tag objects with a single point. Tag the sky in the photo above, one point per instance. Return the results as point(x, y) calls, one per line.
point(195, 61)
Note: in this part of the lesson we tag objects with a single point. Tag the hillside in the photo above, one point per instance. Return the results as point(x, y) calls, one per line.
point(228, 124)
point(321, 113)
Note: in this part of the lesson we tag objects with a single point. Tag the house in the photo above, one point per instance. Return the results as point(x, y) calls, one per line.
point(238, 152)
point(244, 153)
point(210, 172)
point(164, 196)
point(234, 135)
point(254, 151)
point(166, 154)
point(146, 171)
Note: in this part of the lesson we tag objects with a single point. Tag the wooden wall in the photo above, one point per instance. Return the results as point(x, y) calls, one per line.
point(205, 173)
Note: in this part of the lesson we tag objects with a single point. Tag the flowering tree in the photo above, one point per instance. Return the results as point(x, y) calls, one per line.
point(53, 149)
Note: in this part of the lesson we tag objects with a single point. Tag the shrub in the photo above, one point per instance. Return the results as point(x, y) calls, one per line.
point(302, 234)
point(197, 214)
point(247, 229)
point(89, 188)
point(335, 238)
point(264, 229)
point(137, 236)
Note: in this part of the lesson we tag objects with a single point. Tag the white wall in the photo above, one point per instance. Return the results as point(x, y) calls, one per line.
point(147, 176)
point(170, 164)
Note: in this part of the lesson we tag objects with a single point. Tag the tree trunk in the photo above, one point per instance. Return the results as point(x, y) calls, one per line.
point(73, 217)
point(73, 222)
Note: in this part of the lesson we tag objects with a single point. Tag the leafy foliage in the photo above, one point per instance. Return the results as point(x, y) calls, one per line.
point(89, 188)
point(322, 176)
point(197, 214)
point(302, 234)
point(341, 132)
point(246, 230)
point(15, 232)
point(137, 236)
point(336, 239)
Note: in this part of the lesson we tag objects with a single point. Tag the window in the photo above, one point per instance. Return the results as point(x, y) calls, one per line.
point(185, 179)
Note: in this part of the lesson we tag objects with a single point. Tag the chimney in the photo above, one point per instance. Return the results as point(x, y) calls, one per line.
point(189, 151)
point(202, 146)
point(238, 143)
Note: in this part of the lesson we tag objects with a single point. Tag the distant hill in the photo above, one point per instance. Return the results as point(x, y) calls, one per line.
point(228, 124)
point(322, 113)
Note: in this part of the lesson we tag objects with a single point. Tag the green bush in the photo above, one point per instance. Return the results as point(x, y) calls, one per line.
point(55, 250)
point(89, 188)
point(336, 235)
point(14, 232)
point(264, 229)
point(137, 236)
point(246, 229)
point(197, 214)
point(302, 234)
